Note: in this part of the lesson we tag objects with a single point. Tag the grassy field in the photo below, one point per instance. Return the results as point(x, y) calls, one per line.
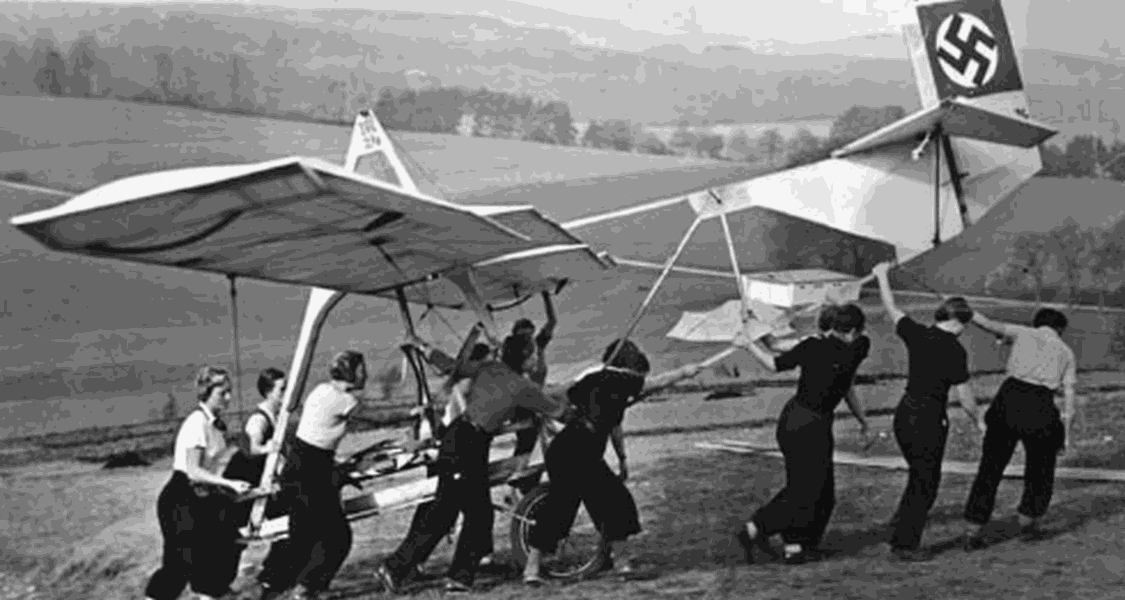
point(74, 531)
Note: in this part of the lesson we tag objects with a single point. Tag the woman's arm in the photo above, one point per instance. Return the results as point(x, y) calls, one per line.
point(197, 473)
point(765, 357)
point(617, 437)
point(856, 407)
point(552, 318)
point(256, 433)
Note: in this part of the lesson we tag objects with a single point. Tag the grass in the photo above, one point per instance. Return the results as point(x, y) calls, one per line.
point(72, 531)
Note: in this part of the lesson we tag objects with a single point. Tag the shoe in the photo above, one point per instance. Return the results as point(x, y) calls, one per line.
point(453, 586)
point(533, 581)
point(910, 555)
point(748, 544)
point(390, 584)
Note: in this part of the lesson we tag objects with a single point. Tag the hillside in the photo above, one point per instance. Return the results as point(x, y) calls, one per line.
point(325, 62)
point(98, 329)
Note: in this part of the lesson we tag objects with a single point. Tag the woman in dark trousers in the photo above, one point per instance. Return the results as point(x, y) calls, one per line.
point(199, 547)
point(937, 363)
point(320, 536)
point(801, 510)
point(576, 464)
point(525, 352)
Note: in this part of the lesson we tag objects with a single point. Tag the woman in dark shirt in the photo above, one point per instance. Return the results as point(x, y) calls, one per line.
point(801, 510)
point(525, 352)
point(576, 464)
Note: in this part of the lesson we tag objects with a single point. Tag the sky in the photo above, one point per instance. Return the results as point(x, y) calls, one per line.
point(1075, 26)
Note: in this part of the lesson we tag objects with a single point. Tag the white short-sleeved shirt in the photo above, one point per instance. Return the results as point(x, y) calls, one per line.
point(197, 431)
point(1039, 356)
point(325, 416)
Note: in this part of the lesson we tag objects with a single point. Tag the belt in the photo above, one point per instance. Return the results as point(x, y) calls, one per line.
point(1033, 386)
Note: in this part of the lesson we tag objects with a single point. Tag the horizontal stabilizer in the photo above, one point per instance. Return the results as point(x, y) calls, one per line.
point(959, 119)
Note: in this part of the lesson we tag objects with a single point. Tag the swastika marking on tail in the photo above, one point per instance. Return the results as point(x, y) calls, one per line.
point(967, 50)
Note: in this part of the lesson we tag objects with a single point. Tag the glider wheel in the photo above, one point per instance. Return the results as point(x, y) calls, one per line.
point(579, 555)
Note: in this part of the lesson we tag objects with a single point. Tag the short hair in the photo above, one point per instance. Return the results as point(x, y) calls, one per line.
point(630, 357)
point(826, 317)
point(515, 350)
point(954, 308)
point(345, 366)
point(849, 318)
point(1051, 318)
point(523, 324)
point(267, 379)
point(207, 379)
point(479, 352)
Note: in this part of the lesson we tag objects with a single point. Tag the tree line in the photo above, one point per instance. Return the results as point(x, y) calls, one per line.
point(225, 82)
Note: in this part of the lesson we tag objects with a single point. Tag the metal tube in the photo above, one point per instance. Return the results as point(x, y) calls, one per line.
point(236, 347)
point(734, 262)
point(656, 286)
point(937, 186)
point(320, 303)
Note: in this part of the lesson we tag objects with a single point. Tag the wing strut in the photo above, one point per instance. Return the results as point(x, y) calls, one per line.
point(937, 136)
point(733, 255)
point(320, 303)
point(426, 425)
point(656, 286)
point(955, 177)
point(236, 346)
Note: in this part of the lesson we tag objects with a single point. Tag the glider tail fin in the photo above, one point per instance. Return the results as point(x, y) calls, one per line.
point(375, 153)
point(964, 48)
point(962, 51)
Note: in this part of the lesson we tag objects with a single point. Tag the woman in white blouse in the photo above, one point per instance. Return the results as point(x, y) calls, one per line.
point(198, 548)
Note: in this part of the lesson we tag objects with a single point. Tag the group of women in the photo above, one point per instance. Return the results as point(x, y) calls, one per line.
point(199, 528)
point(199, 516)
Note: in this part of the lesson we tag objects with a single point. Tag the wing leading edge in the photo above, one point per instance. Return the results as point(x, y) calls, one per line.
point(295, 220)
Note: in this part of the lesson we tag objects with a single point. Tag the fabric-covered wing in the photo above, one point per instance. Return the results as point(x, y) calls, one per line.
point(511, 278)
point(294, 220)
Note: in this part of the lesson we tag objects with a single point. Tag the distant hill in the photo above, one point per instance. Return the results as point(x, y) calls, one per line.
point(325, 61)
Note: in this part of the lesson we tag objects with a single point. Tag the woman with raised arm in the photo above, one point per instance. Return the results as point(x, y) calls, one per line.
point(525, 352)
point(801, 510)
point(577, 467)
point(199, 549)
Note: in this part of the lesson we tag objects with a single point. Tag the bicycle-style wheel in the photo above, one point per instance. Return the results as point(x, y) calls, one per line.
point(579, 555)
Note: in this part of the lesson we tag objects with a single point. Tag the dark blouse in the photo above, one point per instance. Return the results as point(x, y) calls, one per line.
point(601, 397)
point(828, 365)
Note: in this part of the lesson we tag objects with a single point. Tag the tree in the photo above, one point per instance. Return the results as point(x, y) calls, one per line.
point(770, 145)
point(859, 121)
point(1107, 262)
point(684, 139)
point(804, 148)
point(51, 72)
point(710, 145)
point(1083, 154)
point(650, 143)
point(1074, 250)
point(741, 147)
point(614, 133)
